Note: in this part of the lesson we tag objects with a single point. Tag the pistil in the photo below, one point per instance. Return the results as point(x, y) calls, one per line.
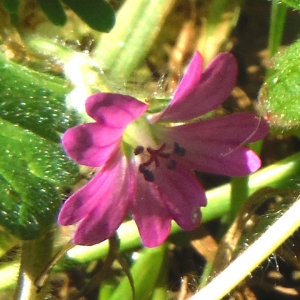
point(154, 158)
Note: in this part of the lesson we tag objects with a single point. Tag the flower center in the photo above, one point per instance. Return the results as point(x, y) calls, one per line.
point(154, 157)
point(139, 132)
point(140, 139)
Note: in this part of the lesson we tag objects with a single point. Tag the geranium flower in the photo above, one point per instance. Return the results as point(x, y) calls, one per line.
point(146, 161)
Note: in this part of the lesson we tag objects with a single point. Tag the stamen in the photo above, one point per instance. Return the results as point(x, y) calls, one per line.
point(142, 168)
point(138, 150)
point(148, 175)
point(155, 156)
point(180, 151)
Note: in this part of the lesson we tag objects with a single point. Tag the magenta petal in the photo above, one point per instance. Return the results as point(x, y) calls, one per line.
point(95, 204)
point(215, 145)
point(238, 161)
point(81, 203)
point(183, 195)
point(114, 110)
point(223, 159)
point(194, 98)
point(92, 144)
point(234, 130)
point(190, 79)
point(150, 214)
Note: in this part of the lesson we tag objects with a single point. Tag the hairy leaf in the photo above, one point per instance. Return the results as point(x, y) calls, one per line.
point(33, 165)
point(280, 95)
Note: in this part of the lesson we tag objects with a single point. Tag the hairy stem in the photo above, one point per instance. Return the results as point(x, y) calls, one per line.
point(35, 255)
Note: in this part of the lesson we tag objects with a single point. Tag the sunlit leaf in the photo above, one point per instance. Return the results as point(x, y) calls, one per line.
point(34, 100)
point(33, 165)
point(31, 170)
point(280, 95)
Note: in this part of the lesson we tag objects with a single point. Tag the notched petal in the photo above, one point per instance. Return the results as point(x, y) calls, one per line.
point(210, 91)
point(114, 110)
point(190, 79)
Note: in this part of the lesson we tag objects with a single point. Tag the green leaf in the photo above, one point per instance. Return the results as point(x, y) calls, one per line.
point(31, 170)
point(54, 11)
point(98, 14)
point(45, 159)
point(34, 100)
point(27, 203)
point(280, 95)
point(293, 3)
point(11, 5)
point(33, 165)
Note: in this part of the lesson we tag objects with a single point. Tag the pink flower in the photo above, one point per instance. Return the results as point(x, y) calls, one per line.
point(146, 161)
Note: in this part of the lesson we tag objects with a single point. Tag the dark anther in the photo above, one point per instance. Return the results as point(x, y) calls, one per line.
point(172, 164)
point(142, 168)
point(180, 151)
point(138, 150)
point(148, 175)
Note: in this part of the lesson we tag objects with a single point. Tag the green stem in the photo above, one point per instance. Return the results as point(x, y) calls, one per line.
point(277, 22)
point(239, 194)
point(278, 16)
point(35, 255)
point(255, 254)
point(138, 22)
point(205, 275)
point(240, 188)
point(160, 291)
point(145, 271)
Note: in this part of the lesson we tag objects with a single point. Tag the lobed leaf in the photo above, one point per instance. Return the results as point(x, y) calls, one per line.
point(33, 165)
point(34, 100)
